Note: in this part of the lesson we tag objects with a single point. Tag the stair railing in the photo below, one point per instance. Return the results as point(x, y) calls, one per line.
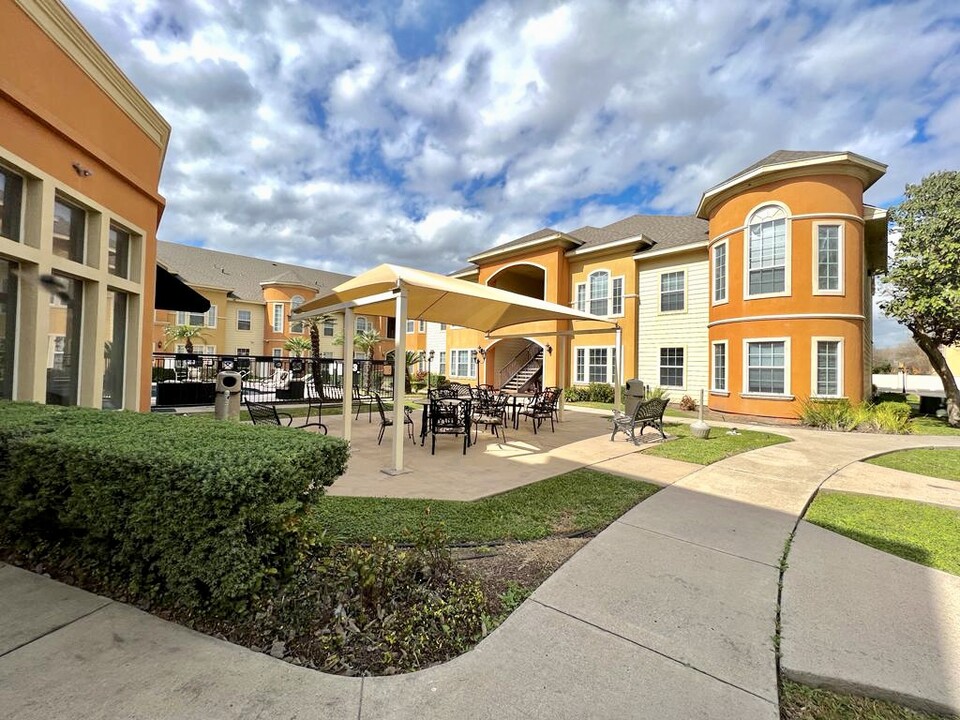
point(519, 362)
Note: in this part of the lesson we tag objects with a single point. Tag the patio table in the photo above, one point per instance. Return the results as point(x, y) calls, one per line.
point(424, 426)
point(515, 401)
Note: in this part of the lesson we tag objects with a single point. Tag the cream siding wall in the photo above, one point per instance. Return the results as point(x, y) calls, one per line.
point(436, 341)
point(235, 339)
point(687, 329)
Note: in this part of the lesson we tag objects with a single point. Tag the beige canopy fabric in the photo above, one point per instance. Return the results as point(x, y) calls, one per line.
point(439, 298)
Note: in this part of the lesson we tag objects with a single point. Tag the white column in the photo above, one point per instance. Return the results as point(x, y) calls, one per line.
point(562, 349)
point(349, 325)
point(399, 376)
point(617, 380)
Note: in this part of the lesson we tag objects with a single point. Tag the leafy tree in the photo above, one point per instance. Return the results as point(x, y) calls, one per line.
point(923, 280)
point(184, 333)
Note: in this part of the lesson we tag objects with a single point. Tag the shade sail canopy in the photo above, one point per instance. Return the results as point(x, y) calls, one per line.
point(439, 298)
point(171, 293)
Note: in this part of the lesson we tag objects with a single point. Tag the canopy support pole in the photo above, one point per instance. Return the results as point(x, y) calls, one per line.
point(561, 372)
point(399, 383)
point(616, 370)
point(347, 380)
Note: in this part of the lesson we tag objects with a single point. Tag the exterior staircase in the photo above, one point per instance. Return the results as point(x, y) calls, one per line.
point(526, 374)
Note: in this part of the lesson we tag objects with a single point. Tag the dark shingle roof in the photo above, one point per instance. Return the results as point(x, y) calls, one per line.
point(664, 230)
point(240, 274)
point(538, 235)
point(777, 157)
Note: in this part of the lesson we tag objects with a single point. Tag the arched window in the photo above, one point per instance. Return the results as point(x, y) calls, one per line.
point(295, 302)
point(600, 294)
point(363, 324)
point(767, 251)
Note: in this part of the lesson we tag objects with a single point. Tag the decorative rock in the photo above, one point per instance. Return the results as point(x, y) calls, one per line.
point(278, 649)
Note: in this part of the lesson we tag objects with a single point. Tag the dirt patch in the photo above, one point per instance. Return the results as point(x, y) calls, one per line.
point(516, 568)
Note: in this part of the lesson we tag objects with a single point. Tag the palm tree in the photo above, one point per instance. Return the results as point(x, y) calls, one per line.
point(413, 357)
point(313, 326)
point(184, 333)
point(298, 346)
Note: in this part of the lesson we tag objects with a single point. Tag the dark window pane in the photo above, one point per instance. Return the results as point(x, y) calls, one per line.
point(118, 260)
point(68, 231)
point(8, 325)
point(11, 199)
point(63, 356)
point(114, 351)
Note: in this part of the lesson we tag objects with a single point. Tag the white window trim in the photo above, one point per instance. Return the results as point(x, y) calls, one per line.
point(206, 317)
point(787, 255)
point(686, 303)
point(726, 274)
point(576, 293)
point(611, 350)
point(277, 352)
point(816, 258)
point(787, 367)
point(713, 368)
point(411, 327)
point(686, 364)
point(586, 294)
point(813, 367)
point(249, 320)
point(472, 365)
point(421, 326)
point(623, 296)
point(273, 317)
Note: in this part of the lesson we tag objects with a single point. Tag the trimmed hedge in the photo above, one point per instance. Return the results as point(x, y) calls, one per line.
point(594, 392)
point(203, 514)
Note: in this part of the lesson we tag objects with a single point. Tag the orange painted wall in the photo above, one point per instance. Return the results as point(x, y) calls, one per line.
point(820, 195)
point(52, 114)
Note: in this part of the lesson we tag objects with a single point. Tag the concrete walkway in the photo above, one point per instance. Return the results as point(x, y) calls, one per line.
point(866, 479)
point(669, 613)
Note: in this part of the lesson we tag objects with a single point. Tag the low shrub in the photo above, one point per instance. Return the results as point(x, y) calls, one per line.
point(594, 392)
point(889, 397)
point(688, 403)
point(190, 511)
point(162, 374)
point(844, 416)
point(379, 608)
point(657, 393)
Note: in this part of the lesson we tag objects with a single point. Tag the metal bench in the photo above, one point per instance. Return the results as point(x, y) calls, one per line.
point(645, 414)
point(263, 414)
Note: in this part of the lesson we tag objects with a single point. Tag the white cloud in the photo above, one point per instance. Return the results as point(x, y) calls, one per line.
point(302, 133)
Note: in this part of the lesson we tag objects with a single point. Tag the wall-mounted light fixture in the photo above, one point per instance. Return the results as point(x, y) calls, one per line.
point(549, 348)
point(81, 170)
point(481, 353)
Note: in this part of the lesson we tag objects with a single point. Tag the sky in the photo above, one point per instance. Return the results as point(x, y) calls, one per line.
point(345, 134)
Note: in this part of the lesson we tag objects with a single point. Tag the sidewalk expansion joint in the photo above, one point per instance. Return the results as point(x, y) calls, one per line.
point(360, 704)
point(654, 651)
point(696, 544)
point(58, 627)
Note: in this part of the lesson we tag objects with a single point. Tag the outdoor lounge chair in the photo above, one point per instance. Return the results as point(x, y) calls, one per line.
point(386, 422)
point(280, 380)
point(264, 414)
point(645, 414)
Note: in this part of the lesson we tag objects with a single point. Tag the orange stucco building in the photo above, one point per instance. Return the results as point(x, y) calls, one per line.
point(761, 300)
point(80, 156)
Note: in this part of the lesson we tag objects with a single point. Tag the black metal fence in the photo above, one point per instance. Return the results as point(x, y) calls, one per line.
point(189, 379)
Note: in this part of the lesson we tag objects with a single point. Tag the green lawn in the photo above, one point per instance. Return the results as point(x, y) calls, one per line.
point(927, 425)
point(799, 702)
point(717, 447)
point(943, 463)
point(670, 412)
point(926, 534)
point(578, 500)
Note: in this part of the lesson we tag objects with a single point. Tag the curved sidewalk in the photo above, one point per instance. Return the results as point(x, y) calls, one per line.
point(668, 613)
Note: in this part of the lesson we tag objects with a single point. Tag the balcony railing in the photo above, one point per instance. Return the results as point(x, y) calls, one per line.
point(189, 379)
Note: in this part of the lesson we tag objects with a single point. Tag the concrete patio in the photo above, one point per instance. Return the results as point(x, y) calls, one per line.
point(492, 465)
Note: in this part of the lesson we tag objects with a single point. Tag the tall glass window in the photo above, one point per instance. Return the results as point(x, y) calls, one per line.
point(720, 366)
point(828, 368)
point(599, 293)
point(63, 356)
point(118, 258)
point(828, 257)
point(617, 302)
point(69, 231)
point(767, 251)
point(11, 202)
point(114, 351)
point(295, 302)
point(720, 273)
point(8, 325)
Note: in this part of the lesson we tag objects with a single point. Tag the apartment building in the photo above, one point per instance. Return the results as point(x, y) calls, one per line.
point(81, 151)
point(250, 304)
point(761, 299)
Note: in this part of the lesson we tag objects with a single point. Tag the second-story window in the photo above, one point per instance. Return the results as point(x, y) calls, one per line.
point(600, 294)
point(329, 327)
point(672, 292)
point(599, 283)
point(363, 324)
point(244, 319)
point(411, 326)
point(295, 302)
point(829, 259)
point(69, 231)
point(118, 256)
point(767, 251)
point(11, 201)
point(720, 272)
point(277, 317)
point(207, 319)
